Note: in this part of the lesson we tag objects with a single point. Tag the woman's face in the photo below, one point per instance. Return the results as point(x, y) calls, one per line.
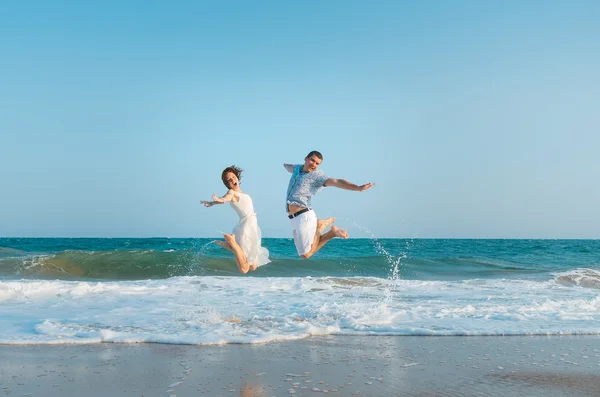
point(231, 180)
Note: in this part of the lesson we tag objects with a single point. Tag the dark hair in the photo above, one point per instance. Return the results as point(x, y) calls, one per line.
point(237, 171)
point(314, 152)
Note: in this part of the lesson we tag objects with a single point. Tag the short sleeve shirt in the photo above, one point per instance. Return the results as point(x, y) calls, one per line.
point(303, 185)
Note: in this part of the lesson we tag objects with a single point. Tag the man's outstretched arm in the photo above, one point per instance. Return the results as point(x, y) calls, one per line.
point(344, 184)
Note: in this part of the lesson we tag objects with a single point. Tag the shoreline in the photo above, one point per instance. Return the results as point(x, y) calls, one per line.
point(339, 365)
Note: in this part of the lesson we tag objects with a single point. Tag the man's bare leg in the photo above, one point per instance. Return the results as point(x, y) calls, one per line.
point(324, 239)
point(240, 257)
point(324, 224)
point(321, 226)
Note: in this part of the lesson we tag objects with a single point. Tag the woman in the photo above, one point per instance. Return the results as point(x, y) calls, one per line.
point(245, 241)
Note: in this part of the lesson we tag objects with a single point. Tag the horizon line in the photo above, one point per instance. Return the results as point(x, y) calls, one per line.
point(350, 238)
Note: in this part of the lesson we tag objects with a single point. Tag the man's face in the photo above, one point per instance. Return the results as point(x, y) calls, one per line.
point(311, 163)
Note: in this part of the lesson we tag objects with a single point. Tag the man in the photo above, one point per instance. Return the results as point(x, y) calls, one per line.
point(306, 181)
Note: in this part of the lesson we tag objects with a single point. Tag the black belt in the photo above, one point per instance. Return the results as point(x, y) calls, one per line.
point(295, 214)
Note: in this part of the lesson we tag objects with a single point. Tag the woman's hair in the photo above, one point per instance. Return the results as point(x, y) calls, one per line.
point(234, 170)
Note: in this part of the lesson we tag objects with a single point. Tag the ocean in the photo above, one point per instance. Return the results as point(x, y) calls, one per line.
point(189, 291)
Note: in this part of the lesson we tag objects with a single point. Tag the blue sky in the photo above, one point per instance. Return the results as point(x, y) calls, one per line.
point(475, 119)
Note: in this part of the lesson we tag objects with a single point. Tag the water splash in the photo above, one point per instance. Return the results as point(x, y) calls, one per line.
point(192, 262)
point(394, 261)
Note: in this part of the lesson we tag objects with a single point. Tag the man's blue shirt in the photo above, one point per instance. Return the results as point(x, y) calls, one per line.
point(303, 185)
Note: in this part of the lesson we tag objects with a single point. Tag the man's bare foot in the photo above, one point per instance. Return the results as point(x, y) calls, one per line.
point(337, 232)
point(324, 224)
point(222, 244)
point(229, 237)
point(252, 267)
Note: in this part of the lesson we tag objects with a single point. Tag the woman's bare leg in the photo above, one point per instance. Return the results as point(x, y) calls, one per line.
point(240, 257)
point(224, 244)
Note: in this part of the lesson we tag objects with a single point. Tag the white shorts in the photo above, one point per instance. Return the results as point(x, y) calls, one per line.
point(304, 227)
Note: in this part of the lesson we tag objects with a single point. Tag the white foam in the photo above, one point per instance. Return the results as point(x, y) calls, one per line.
point(582, 277)
point(219, 310)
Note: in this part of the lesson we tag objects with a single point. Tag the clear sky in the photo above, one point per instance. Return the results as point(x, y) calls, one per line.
point(476, 119)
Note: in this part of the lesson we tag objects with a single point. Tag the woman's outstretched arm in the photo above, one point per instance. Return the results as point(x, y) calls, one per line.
point(219, 200)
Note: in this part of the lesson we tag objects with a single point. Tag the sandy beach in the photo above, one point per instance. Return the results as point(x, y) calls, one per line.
point(345, 366)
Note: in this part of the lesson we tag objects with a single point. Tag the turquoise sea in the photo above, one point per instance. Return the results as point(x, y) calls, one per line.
point(188, 291)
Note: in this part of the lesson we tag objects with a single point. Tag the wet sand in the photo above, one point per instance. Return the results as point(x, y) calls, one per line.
point(342, 366)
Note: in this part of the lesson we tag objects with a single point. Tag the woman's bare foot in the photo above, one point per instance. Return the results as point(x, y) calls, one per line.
point(221, 244)
point(324, 224)
point(337, 232)
point(229, 237)
point(252, 267)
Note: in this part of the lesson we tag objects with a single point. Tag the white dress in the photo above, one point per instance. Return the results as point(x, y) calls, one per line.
point(247, 233)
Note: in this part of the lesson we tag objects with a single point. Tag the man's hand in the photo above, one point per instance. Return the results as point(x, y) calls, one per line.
point(366, 186)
